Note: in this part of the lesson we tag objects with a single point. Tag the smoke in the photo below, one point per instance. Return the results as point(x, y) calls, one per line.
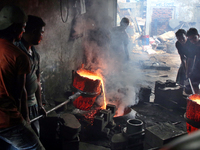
point(122, 78)
point(123, 86)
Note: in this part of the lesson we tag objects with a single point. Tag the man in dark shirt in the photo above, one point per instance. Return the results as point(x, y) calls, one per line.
point(185, 50)
point(14, 65)
point(119, 44)
point(193, 37)
point(33, 35)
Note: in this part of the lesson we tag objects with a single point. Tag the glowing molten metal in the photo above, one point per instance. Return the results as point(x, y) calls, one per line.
point(195, 98)
point(94, 76)
point(193, 111)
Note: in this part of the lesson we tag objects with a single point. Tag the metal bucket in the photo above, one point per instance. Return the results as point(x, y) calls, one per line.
point(134, 126)
point(145, 40)
point(85, 85)
point(192, 114)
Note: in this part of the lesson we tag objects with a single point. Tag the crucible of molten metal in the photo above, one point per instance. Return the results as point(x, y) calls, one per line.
point(88, 85)
point(86, 92)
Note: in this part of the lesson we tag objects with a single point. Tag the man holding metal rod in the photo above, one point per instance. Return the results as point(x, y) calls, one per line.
point(183, 46)
point(194, 73)
point(33, 35)
point(186, 51)
point(14, 128)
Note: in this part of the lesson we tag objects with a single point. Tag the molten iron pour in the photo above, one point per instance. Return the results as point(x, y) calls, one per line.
point(90, 82)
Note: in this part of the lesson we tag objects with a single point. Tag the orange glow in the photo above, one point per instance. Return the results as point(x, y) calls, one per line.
point(93, 76)
point(195, 98)
point(193, 111)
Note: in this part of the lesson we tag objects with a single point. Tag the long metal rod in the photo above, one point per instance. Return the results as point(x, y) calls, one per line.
point(183, 86)
point(72, 97)
point(193, 92)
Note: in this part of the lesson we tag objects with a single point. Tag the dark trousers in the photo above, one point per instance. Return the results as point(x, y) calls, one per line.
point(21, 137)
point(33, 113)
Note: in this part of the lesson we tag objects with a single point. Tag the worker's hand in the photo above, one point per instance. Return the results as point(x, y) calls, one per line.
point(42, 111)
point(28, 120)
point(186, 82)
point(26, 117)
point(187, 75)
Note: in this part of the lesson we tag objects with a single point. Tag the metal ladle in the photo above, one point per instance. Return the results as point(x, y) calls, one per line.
point(71, 98)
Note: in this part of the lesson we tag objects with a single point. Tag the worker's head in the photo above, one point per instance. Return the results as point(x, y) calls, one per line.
point(193, 35)
point(124, 22)
point(181, 36)
point(34, 30)
point(12, 22)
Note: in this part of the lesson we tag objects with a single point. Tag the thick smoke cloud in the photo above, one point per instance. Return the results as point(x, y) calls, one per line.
point(122, 78)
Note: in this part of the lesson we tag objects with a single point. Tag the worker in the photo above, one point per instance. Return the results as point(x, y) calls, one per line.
point(119, 42)
point(32, 36)
point(186, 53)
point(14, 128)
point(193, 37)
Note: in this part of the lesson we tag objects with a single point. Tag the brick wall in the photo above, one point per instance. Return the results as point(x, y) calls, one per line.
point(160, 20)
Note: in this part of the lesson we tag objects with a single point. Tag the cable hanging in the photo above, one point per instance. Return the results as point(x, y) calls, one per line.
point(61, 5)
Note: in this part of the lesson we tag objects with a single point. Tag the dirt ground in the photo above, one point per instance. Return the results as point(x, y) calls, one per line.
point(152, 113)
point(157, 60)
